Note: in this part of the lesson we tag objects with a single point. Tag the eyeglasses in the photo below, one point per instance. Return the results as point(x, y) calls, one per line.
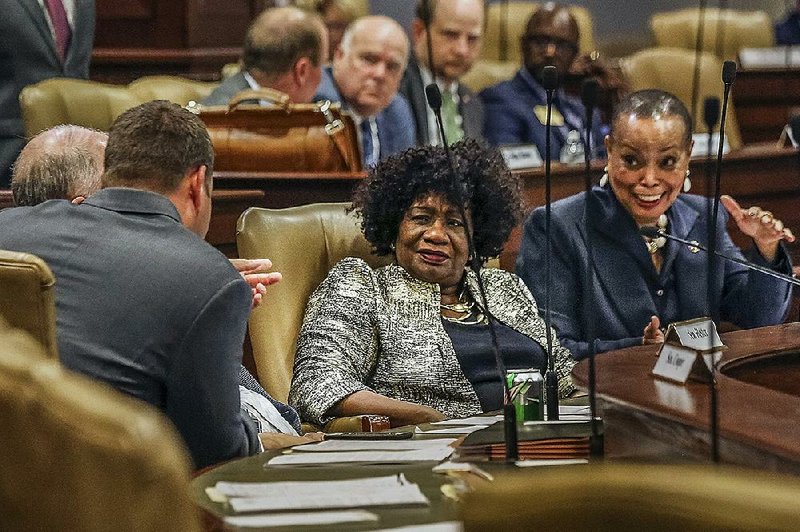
point(563, 47)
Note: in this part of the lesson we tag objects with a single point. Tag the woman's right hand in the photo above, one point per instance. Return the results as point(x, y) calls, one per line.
point(652, 332)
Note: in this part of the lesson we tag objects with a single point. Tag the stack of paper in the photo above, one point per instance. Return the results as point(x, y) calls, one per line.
point(350, 451)
point(321, 495)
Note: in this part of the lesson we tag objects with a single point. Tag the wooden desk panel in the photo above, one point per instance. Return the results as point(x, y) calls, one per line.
point(647, 418)
point(764, 100)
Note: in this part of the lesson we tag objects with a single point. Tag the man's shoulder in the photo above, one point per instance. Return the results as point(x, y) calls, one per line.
point(227, 89)
point(507, 89)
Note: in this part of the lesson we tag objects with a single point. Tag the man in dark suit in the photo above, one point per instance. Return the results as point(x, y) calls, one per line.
point(38, 41)
point(365, 76)
point(142, 302)
point(516, 109)
point(284, 50)
point(456, 27)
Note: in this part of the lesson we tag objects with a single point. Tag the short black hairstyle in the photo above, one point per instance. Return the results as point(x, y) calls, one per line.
point(653, 103)
point(155, 144)
point(489, 191)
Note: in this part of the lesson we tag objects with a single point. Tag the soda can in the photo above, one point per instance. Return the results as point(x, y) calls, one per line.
point(527, 393)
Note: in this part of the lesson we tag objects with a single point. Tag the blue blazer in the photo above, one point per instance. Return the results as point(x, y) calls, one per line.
point(396, 129)
point(625, 289)
point(509, 116)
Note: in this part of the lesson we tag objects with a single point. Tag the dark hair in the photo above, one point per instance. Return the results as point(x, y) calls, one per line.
point(426, 10)
point(653, 103)
point(155, 144)
point(279, 37)
point(489, 191)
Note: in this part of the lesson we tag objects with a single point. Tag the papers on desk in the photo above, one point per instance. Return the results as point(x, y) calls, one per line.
point(431, 454)
point(475, 420)
point(300, 519)
point(375, 445)
point(452, 430)
point(319, 495)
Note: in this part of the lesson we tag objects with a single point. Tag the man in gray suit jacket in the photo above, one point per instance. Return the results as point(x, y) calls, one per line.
point(142, 302)
point(30, 52)
point(456, 28)
point(284, 50)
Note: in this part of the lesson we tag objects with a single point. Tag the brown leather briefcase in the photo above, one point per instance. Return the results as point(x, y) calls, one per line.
point(284, 137)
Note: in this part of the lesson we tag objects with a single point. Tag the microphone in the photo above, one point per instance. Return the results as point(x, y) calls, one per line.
point(550, 83)
point(589, 89)
point(434, 97)
point(655, 232)
point(711, 109)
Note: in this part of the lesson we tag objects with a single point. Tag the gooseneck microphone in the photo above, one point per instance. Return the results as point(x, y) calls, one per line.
point(589, 89)
point(434, 98)
point(710, 119)
point(728, 77)
point(655, 232)
point(549, 83)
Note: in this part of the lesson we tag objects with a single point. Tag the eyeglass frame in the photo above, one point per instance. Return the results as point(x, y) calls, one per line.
point(563, 47)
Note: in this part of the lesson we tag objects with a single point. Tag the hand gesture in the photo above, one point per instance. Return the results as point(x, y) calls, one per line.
point(652, 332)
point(765, 230)
point(255, 273)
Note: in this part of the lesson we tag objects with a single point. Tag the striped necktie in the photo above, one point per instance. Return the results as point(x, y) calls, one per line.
point(61, 29)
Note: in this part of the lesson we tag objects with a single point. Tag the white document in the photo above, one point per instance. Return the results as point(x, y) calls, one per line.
point(555, 462)
point(308, 487)
point(452, 430)
point(300, 519)
point(375, 445)
point(408, 494)
point(475, 420)
point(445, 526)
point(436, 454)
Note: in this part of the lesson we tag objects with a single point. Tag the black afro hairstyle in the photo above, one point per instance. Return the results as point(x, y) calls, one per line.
point(488, 189)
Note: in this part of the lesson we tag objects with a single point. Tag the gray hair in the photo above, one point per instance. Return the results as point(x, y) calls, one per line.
point(59, 163)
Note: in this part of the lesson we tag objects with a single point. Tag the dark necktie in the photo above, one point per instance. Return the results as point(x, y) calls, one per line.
point(61, 29)
point(366, 143)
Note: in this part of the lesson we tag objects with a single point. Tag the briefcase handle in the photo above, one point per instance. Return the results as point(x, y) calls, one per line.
point(275, 97)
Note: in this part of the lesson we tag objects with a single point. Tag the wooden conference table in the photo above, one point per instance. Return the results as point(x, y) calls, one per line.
point(759, 403)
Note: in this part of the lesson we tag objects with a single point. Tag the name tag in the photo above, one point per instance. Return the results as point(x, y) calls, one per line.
point(691, 349)
point(699, 334)
point(556, 120)
point(521, 156)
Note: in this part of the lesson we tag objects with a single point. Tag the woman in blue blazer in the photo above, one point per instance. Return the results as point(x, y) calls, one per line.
point(638, 284)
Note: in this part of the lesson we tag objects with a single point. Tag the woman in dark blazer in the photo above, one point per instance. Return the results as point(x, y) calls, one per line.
point(638, 284)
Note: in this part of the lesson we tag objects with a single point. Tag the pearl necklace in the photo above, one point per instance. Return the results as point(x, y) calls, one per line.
point(654, 244)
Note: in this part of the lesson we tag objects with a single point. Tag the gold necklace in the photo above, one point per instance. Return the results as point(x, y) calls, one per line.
point(469, 314)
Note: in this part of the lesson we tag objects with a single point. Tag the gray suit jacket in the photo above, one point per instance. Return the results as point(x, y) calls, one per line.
point(470, 107)
point(227, 90)
point(145, 305)
point(28, 55)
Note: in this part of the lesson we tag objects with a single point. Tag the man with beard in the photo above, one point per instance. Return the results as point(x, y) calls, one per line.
point(516, 110)
point(456, 28)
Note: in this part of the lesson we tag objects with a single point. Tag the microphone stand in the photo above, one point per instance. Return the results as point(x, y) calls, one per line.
point(710, 117)
point(698, 49)
point(549, 82)
point(509, 411)
point(728, 77)
point(589, 98)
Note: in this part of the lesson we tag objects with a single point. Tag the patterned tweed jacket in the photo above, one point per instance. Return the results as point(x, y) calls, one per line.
point(381, 330)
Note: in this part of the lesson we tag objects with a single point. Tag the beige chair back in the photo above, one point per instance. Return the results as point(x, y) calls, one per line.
point(73, 101)
point(77, 455)
point(27, 297)
point(303, 244)
point(613, 497)
point(672, 70)
point(513, 19)
point(741, 29)
point(91, 104)
point(173, 88)
point(486, 73)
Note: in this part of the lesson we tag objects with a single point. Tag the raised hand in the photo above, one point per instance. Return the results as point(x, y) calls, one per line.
point(765, 230)
point(652, 332)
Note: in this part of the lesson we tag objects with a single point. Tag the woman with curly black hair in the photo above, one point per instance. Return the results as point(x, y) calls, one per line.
point(410, 341)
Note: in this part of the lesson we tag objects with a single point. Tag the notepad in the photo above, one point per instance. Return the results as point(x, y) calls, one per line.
point(300, 519)
point(435, 454)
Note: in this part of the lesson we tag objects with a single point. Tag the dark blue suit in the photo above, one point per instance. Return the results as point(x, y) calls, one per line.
point(148, 307)
point(626, 289)
point(788, 31)
point(510, 118)
point(396, 129)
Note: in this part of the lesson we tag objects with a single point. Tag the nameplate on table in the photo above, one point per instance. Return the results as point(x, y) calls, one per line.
point(518, 157)
point(699, 334)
